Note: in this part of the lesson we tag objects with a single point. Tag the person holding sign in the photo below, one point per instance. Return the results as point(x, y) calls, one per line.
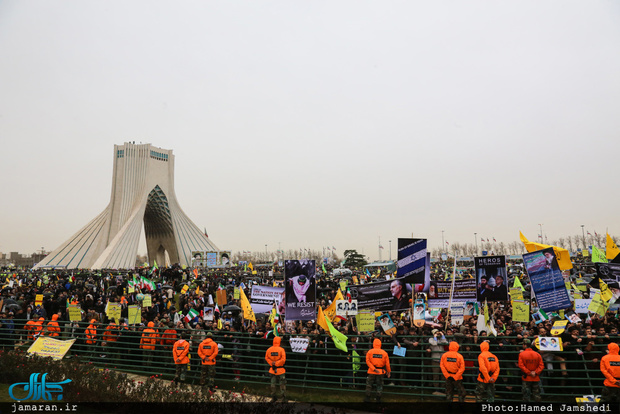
point(488, 366)
point(207, 351)
point(276, 357)
point(610, 367)
point(378, 363)
point(453, 366)
point(531, 364)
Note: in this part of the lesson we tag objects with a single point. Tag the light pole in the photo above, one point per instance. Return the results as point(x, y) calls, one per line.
point(476, 242)
point(443, 243)
point(542, 240)
point(390, 250)
point(584, 236)
point(266, 258)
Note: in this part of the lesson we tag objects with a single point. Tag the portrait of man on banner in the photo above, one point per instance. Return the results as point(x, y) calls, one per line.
point(300, 289)
point(491, 278)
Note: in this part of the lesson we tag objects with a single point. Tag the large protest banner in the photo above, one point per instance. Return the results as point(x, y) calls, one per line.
point(50, 347)
point(439, 293)
point(262, 298)
point(547, 280)
point(300, 289)
point(411, 260)
point(491, 278)
point(383, 296)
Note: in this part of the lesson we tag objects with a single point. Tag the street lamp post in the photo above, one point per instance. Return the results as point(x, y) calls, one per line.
point(390, 250)
point(476, 241)
point(443, 243)
point(542, 239)
point(584, 236)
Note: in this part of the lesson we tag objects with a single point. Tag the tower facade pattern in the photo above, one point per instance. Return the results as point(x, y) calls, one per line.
point(142, 196)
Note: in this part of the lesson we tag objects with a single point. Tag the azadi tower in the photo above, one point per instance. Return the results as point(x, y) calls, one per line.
point(142, 192)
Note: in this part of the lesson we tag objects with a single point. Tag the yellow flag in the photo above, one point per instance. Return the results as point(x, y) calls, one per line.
point(561, 254)
point(321, 320)
point(612, 249)
point(330, 311)
point(248, 313)
point(251, 266)
point(486, 313)
point(606, 293)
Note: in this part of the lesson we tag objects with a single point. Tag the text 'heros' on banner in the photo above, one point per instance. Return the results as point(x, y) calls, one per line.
point(491, 278)
point(547, 280)
point(411, 260)
point(300, 289)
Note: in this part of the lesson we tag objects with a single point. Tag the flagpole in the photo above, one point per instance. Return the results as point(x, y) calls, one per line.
point(451, 292)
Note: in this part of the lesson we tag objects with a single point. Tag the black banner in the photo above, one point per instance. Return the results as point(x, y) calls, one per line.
point(491, 278)
point(300, 288)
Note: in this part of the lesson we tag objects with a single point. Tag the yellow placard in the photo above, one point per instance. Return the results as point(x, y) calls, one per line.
point(355, 280)
point(130, 289)
point(50, 347)
point(75, 313)
point(558, 327)
point(236, 293)
point(134, 315)
point(184, 290)
point(114, 312)
point(38, 300)
point(343, 285)
point(516, 293)
point(598, 305)
point(146, 302)
point(365, 321)
point(520, 311)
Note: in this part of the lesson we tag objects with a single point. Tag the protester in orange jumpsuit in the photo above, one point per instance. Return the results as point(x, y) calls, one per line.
point(38, 328)
point(180, 351)
point(30, 328)
point(531, 364)
point(207, 351)
point(488, 366)
point(91, 337)
point(276, 357)
point(53, 330)
point(378, 365)
point(148, 342)
point(610, 367)
point(453, 366)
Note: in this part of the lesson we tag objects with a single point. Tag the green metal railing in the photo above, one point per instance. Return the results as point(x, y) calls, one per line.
point(416, 375)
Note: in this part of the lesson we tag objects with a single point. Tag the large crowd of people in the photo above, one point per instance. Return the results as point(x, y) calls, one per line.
point(162, 324)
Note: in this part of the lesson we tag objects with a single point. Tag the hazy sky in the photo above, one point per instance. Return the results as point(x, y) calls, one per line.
point(316, 123)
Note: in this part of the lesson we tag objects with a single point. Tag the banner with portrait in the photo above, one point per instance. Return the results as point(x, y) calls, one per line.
point(439, 292)
point(300, 289)
point(547, 280)
point(262, 299)
point(491, 278)
point(383, 296)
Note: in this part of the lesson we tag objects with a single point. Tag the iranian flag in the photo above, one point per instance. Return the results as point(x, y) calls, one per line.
point(147, 284)
point(193, 313)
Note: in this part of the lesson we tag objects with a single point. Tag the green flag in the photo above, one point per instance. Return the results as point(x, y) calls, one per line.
point(324, 270)
point(340, 339)
point(356, 361)
point(598, 256)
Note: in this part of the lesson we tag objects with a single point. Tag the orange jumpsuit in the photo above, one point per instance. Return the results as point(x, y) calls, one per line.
point(208, 350)
point(488, 364)
point(610, 367)
point(52, 326)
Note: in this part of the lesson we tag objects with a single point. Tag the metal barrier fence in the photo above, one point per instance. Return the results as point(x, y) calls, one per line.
point(325, 368)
